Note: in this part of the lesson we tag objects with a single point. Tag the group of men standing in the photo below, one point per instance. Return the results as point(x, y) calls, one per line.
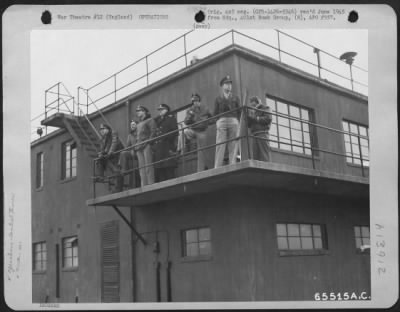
point(155, 139)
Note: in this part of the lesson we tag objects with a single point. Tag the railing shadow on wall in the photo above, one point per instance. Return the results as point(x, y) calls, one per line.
point(245, 140)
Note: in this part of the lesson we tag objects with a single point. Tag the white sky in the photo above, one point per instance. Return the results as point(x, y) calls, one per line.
point(85, 57)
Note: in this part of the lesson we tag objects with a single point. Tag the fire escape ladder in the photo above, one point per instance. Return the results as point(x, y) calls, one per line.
point(82, 135)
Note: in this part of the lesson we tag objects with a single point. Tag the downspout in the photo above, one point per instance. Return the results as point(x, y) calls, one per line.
point(133, 256)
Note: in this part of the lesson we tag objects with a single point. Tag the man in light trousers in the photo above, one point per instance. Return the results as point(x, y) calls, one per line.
point(228, 123)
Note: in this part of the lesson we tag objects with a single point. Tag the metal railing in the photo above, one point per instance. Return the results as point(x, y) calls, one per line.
point(57, 98)
point(110, 89)
point(243, 140)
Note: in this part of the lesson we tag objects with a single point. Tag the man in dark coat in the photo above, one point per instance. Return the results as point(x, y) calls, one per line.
point(165, 146)
point(109, 144)
point(259, 121)
point(128, 159)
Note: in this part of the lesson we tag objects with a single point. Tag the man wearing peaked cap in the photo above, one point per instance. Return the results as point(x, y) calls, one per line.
point(259, 121)
point(146, 130)
point(197, 115)
point(226, 107)
point(226, 79)
point(165, 147)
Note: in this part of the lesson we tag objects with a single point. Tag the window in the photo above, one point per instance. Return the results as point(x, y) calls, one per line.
point(292, 236)
point(39, 170)
point(356, 143)
point(70, 252)
point(69, 160)
point(290, 134)
point(361, 234)
point(39, 256)
point(197, 242)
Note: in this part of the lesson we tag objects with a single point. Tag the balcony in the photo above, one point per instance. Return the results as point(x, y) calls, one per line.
point(301, 165)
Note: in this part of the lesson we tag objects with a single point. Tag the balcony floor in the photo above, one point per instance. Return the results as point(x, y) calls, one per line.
point(247, 173)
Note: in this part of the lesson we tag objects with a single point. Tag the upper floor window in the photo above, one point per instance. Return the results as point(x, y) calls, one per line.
point(39, 257)
point(356, 143)
point(196, 242)
point(70, 252)
point(362, 237)
point(69, 160)
point(39, 170)
point(290, 129)
point(293, 236)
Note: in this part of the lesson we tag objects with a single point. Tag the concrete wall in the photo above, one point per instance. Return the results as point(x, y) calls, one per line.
point(246, 263)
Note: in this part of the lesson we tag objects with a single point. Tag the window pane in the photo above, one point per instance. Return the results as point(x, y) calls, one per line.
point(316, 230)
point(68, 252)
point(348, 147)
point(282, 243)
point(282, 108)
point(44, 246)
point(205, 248)
point(294, 111)
point(353, 128)
point(281, 230)
point(354, 140)
point(73, 172)
point(306, 138)
point(304, 115)
point(75, 261)
point(191, 236)
point(358, 242)
point(306, 243)
point(293, 230)
point(345, 126)
point(307, 151)
point(366, 241)
point(363, 131)
point(283, 121)
point(67, 262)
point(284, 132)
point(305, 229)
point(295, 124)
point(365, 231)
point(306, 127)
point(317, 243)
point(297, 137)
point(204, 234)
point(73, 153)
point(294, 242)
point(192, 250)
point(364, 142)
point(270, 102)
point(357, 231)
point(346, 138)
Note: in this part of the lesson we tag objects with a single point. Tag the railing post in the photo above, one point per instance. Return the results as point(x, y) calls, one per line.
point(58, 97)
point(87, 101)
point(183, 152)
point(361, 158)
point(45, 104)
point(316, 51)
point(79, 112)
point(351, 78)
point(279, 47)
point(147, 70)
point(115, 88)
point(245, 111)
point(184, 47)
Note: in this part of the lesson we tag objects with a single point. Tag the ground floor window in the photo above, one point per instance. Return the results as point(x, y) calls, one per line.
point(356, 143)
point(293, 236)
point(196, 242)
point(39, 256)
point(70, 252)
point(362, 237)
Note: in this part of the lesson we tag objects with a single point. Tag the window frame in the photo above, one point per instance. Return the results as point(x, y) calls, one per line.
point(39, 170)
point(74, 265)
point(303, 252)
point(43, 260)
point(364, 162)
point(312, 135)
point(358, 249)
point(73, 146)
point(198, 257)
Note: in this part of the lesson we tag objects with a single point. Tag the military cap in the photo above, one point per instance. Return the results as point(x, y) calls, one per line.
point(226, 79)
point(195, 97)
point(255, 99)
point(142, 108)
point(164, 106)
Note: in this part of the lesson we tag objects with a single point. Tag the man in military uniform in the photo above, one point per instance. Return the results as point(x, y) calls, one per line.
point(259, 122)
point(165, 147)
point(197, 113)
point(227, 124)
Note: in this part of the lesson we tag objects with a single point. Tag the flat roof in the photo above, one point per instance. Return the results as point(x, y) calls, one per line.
point(246, 173)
